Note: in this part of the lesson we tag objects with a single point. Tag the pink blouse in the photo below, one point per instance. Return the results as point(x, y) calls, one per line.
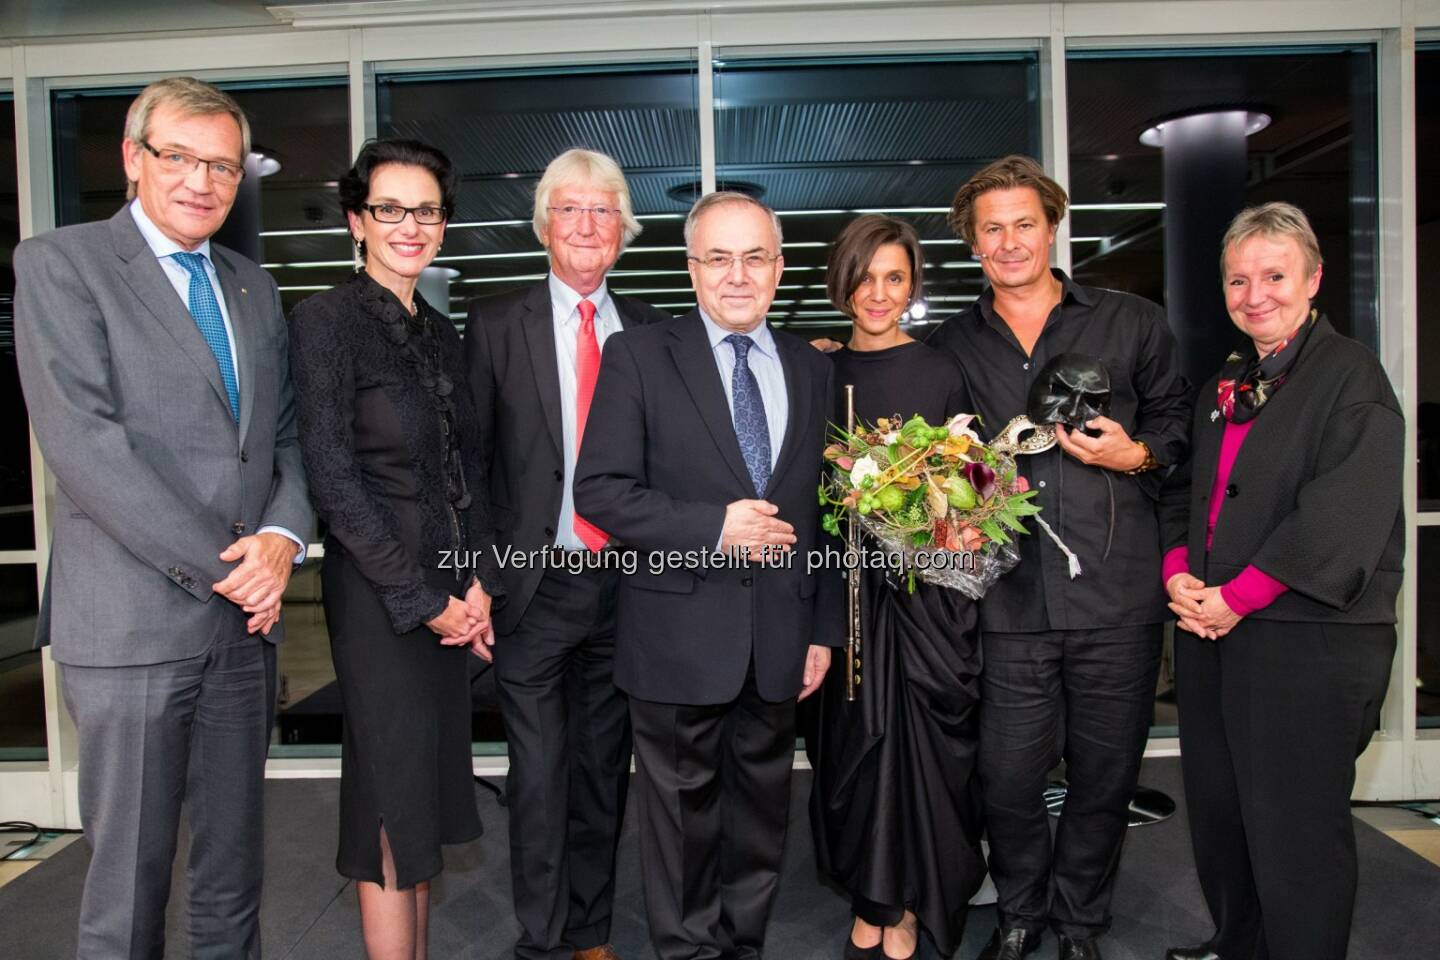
point(1252, 589)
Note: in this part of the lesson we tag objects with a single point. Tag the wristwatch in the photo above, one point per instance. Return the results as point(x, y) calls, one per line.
point(1146, 465)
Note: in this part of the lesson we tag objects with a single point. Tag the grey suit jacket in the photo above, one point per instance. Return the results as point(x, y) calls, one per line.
point(153, 478)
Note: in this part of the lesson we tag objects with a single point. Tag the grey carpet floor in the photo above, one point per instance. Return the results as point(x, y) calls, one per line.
point(310, 913)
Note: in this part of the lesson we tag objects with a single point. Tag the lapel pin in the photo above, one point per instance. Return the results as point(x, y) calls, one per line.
point(243, 290)
point(1214, 415)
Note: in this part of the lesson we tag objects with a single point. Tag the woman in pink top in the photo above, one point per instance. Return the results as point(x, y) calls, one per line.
point(1284, 537)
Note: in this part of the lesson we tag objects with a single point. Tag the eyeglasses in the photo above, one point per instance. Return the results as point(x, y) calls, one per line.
point(222, 172)
point(570, 213)
point(394, 213)
point(722, 262)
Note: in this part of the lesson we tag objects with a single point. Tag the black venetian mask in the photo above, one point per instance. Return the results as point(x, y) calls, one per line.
point(1071, 389)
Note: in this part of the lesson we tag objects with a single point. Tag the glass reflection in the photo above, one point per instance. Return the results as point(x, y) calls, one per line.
point(821, 140)
point(300, 145)
point(501, 128)
point(1427, 261)
point(17, 521)
point(22, 693)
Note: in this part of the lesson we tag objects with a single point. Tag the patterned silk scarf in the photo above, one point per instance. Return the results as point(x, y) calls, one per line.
point(1247, 382)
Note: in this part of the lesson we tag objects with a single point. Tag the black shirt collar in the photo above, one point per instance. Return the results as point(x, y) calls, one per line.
point(1069, 290)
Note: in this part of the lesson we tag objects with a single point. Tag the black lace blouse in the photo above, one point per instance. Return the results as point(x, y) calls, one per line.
point(389, 434)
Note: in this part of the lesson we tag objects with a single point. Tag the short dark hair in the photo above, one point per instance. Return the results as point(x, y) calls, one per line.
point(852, 251)
point(1007, 173)
point(355, 185)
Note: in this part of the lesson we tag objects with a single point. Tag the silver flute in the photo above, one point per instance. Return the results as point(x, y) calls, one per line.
point(852, 574)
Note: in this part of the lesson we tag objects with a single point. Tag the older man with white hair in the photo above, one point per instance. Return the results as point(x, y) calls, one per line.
point(533, 357)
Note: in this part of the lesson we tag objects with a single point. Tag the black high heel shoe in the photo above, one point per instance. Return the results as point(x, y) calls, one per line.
point(914, 951)
point(853, 951)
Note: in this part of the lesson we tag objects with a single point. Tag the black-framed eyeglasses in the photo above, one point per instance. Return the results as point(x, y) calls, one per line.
point(394, 213)
point(179, 162)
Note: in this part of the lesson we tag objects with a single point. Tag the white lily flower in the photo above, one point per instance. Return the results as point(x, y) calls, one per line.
point(959, 426)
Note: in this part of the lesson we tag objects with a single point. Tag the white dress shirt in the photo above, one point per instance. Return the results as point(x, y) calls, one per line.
point(164, 249)
point(565, 313)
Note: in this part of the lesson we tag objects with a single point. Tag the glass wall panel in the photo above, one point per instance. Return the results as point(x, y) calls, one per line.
point(22, 697)
point(822, 140)
point(1167, 145)
point(1241, 126)
point(300, 128)
point(501, 129)
point(1427, 694)
point(22, 694)
point(17, 521)
point(1427, 260)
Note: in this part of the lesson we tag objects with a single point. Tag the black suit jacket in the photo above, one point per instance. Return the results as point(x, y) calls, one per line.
point(659, 464)
point(1314, 498)
point(510, 356)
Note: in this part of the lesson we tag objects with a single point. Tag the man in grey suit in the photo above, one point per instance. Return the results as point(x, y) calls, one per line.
point(155, 370)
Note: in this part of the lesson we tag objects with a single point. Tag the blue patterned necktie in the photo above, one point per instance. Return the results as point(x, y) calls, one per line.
point(206, 311)
point(752, 428)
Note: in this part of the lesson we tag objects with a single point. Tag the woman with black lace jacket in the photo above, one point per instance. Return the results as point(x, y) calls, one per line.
point(388, 430)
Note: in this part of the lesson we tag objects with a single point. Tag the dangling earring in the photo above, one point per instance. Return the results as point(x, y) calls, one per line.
point(359, 254)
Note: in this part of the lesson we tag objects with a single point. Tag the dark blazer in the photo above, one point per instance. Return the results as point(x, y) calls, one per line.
point(1314, 498)
point(659, 464)
point(375, 429)
point(510, 356)
point(153, 476)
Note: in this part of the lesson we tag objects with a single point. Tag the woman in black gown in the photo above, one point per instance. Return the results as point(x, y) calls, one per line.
point(392, 456)
point(895, 805)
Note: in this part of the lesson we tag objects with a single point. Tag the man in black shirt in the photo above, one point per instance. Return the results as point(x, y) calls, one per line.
point(1070, 663)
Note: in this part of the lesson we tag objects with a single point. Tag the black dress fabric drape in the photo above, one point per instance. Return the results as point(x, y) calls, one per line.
point(895, 807)
point(388, 430)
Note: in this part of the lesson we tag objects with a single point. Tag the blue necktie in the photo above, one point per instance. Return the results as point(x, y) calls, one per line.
point(206, 311)
point(752, 428)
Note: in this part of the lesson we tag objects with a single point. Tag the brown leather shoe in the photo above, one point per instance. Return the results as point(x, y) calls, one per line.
point(602, 952)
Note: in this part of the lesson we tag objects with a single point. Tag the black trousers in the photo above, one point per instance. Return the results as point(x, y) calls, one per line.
point(1272, 717)
point(568, 730)
point(713, 788)
point(1087, 696)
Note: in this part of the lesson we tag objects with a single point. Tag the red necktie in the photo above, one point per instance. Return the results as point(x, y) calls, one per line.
point(587, 368)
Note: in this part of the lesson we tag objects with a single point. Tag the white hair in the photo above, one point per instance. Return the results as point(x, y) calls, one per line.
point(719, 198)
point(578, 166)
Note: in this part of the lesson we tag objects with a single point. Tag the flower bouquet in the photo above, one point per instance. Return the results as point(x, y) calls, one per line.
point(941, 504)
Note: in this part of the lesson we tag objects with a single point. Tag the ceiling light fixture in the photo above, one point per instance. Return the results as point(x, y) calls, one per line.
point(1254, 123)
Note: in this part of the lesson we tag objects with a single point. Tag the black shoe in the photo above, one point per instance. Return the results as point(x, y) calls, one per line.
point(1201, 952)
point(1011, 944)
point(1079, 948)
point(853, 951)
point(914, 952)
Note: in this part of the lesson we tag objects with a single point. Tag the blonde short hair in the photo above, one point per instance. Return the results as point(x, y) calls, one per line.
point(1277, 220)
point(192, 98)
point(720, 198)
point(584, 166)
